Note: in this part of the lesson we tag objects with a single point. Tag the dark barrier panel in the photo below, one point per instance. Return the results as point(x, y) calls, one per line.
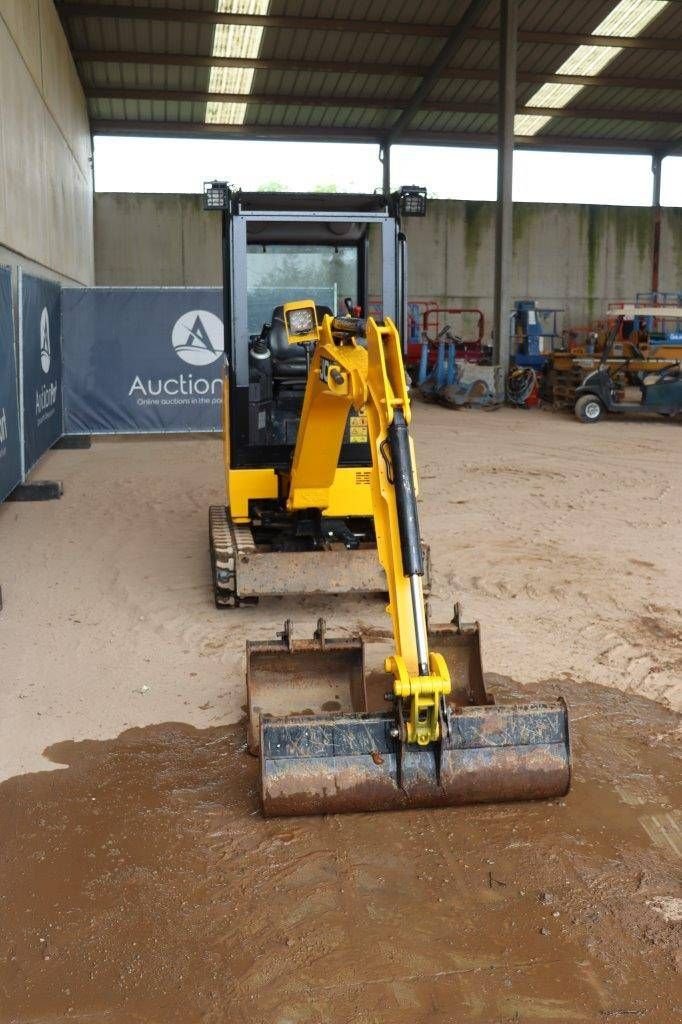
point(142, 360)
point(10, 430)
point(40, 357)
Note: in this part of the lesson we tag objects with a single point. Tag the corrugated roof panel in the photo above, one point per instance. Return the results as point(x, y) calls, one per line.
point(302, 49)
point(593, 129)
point(563, 15)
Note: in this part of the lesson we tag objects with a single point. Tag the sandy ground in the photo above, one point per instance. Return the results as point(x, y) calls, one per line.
point(563, 540)
point(139, 881)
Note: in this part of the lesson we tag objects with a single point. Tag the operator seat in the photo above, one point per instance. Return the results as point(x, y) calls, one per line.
point(288, 361)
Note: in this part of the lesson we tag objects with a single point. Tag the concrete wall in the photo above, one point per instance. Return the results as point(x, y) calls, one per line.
point(46, 222)
point(145, 239)
point(576, 257)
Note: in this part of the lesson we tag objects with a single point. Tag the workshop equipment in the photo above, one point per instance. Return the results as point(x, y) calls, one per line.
point(279, 246)
point(534, 334)
point(443, 383)
point(653, 323)
point(444, 741)
point(444, 370)
point(467, 334)
point(522, 387)
point(415, 316)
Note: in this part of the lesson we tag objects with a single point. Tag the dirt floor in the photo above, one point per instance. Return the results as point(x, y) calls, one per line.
point(139, 882)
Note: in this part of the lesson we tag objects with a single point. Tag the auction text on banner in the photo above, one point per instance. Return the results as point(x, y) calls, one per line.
point(41, 366)
point(142, 360)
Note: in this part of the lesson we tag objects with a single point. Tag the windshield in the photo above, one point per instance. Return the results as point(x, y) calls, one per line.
point(282, 273)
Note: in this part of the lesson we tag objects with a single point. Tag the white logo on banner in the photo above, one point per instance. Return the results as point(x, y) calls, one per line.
point(45, 355)
point(198, 337)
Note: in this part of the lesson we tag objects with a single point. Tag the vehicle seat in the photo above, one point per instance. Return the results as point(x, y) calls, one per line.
point(288, 361)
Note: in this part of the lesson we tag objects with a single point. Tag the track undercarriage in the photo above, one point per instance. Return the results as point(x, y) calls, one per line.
point(276, 555)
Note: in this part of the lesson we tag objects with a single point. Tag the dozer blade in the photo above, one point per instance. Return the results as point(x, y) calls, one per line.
point(341, 763)
point(287, 677)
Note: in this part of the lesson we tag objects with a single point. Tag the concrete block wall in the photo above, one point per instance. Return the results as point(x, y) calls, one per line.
point(143, 239)
point(46, 194)
point(575, 257)
point(578, 257)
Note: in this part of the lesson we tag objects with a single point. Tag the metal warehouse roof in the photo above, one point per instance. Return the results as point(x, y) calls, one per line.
point(345, 70)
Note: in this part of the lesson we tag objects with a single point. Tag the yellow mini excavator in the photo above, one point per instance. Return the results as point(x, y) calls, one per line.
point(326, 742)
point(443, 743)
point(345, 251)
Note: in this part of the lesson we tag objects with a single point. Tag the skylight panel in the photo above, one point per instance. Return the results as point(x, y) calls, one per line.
point(234, 41)
point(628, 18)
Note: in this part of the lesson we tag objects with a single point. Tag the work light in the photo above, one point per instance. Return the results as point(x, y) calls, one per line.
point(412, 201)
point(216, 195)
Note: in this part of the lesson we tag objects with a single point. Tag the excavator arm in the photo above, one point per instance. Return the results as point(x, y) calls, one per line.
point(370, 379)
point(428, 751)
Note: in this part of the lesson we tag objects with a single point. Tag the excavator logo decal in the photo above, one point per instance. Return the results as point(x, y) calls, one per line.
point(198, 337)
point(45, 353)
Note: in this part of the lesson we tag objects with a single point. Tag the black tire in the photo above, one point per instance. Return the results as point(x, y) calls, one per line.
point(589, 409)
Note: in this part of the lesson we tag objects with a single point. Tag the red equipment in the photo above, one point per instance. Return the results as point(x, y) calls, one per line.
point(471, 349)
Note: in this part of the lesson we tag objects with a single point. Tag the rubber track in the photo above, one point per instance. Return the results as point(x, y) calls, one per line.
point(222, 547)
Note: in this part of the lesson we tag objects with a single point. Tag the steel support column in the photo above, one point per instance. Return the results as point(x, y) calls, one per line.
point(385, 157)
point(506, 107)
point(656, 162)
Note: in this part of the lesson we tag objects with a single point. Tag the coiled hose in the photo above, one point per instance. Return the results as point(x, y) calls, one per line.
point(520, 384)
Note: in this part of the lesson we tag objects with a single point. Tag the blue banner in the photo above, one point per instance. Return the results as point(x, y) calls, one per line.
point(40, 357)
point(142, 360)
point(10, 430)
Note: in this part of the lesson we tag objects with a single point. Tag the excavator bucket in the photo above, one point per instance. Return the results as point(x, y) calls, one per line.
point(288, 676)
point(345, 763)
point(333, 763)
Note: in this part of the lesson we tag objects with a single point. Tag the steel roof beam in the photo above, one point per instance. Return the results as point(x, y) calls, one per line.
point(377, 103)
point(447, 52)
point(504, 227)
point(364, 68)
point(354, 25)
point(188, 129)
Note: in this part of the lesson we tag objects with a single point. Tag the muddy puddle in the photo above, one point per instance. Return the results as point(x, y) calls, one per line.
point(140, 884)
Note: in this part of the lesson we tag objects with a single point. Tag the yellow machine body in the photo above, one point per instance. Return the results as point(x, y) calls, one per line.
point(349, 492)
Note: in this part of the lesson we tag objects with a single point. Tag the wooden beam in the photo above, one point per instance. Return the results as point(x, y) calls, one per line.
point(362, 68)
point(353, 25)
point(190, 129)
point(377, 103)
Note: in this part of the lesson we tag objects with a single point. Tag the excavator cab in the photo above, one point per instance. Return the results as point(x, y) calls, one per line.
point(343, 252)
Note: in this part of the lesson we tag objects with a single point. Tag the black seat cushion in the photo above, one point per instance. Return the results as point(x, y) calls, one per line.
point(288, 360)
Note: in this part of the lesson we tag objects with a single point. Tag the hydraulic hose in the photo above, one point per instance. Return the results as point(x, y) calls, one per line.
point(408, 526)
point(406, 499)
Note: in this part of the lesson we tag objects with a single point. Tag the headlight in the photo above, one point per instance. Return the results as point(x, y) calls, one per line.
point(301, 321)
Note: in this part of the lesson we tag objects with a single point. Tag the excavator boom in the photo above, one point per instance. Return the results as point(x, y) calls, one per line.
point(441, 743)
